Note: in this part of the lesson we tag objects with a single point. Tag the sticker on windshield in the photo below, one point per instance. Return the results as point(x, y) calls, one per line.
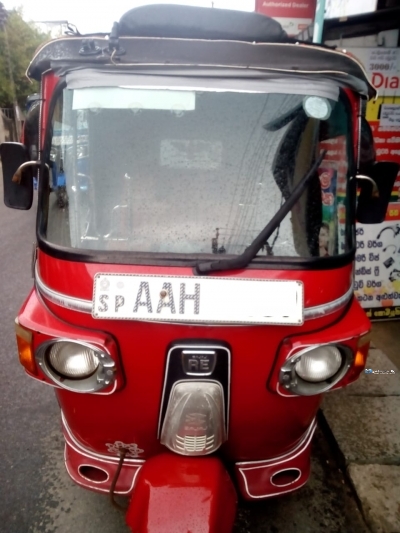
point(193, 154)
point(213, 300)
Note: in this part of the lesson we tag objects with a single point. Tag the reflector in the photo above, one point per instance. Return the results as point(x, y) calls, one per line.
point(25, 349)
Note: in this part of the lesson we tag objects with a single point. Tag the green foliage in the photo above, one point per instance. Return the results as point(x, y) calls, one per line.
point(23, 39)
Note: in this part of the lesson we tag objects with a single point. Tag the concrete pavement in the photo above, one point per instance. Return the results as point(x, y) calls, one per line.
point(364, 419)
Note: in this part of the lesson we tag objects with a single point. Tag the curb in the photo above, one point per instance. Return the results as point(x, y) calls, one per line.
point(362, 422)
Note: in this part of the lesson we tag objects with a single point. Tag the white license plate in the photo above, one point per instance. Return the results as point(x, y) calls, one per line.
point(209, 300)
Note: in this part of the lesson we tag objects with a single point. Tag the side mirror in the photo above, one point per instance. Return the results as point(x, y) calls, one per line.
point(18, 191)
point(376, 189)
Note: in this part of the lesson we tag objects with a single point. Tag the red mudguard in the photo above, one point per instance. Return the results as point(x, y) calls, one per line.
point(175, 494)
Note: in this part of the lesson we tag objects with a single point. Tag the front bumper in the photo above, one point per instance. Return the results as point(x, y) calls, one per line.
point(96, 471)
point(255, 479)
point(279, 475)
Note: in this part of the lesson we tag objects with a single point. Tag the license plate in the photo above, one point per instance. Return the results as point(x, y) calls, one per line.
point(210, 300)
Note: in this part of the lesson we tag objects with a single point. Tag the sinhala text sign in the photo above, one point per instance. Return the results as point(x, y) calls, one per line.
point(377, 280)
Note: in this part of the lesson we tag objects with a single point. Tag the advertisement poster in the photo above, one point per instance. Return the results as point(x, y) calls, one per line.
point(294, 17)
point(333, 179)
point(347, 8)
point(377, 281)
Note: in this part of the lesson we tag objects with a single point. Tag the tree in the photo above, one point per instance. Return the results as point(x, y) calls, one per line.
point(18, 42)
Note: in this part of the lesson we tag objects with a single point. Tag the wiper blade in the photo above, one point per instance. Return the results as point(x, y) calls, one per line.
point(283, 120)
point(251, 251)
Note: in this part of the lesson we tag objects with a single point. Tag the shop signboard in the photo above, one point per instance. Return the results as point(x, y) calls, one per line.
point(294, 16)
point(347, 8)
point(377, 280)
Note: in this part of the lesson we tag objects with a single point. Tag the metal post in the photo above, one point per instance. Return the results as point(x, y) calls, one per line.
point(319, 21)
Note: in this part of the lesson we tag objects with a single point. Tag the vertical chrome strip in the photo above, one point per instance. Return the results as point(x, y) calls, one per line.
point(359, 134)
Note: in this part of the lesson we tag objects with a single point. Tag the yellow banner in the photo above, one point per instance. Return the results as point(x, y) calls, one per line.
point(373, 106)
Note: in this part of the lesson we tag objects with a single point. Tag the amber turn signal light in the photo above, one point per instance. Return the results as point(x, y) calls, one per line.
point(362, 350)
point(25, 348)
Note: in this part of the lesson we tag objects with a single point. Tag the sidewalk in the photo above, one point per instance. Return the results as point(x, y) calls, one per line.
point(364, 419)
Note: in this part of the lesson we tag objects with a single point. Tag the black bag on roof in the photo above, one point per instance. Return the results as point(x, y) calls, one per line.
point(188, 22)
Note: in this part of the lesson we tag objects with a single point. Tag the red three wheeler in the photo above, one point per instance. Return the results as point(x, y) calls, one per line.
point(193, 293)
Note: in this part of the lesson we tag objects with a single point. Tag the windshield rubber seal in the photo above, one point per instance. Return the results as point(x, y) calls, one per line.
point(44, 186)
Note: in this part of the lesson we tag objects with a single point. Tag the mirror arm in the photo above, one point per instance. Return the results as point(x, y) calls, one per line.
point(18, 174)
point(375, 190)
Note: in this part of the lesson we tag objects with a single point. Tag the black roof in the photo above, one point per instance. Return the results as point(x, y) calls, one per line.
point(188, 22)
point(171, 36)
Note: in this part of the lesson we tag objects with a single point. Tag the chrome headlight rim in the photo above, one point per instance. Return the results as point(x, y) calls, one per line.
point(292, 383)
point(102, 378)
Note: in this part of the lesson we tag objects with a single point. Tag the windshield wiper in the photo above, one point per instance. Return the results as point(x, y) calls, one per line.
point(251, 251)
point(283, 120)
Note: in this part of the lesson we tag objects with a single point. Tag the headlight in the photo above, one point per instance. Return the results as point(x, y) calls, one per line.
point(315, 369)
point(76, 365)
point(319, 364)
point(72, 360)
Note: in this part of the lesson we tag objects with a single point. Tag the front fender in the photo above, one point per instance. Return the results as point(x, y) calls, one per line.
point(176, 494)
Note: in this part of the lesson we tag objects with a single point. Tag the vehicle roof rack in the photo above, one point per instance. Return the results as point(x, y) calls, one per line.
point(165, 38)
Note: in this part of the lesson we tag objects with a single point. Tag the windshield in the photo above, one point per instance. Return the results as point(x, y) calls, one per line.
point(193, 171)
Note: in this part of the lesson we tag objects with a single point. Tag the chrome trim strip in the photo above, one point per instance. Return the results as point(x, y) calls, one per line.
point(85, 306)
point(298, 450)
point(92, 480)
point(264, 496)
point(96, 487)
point(69, 302)
point(270, 479)
point(330, 307)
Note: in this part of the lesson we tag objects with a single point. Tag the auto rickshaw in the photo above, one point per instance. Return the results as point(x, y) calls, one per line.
point(193, 296)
